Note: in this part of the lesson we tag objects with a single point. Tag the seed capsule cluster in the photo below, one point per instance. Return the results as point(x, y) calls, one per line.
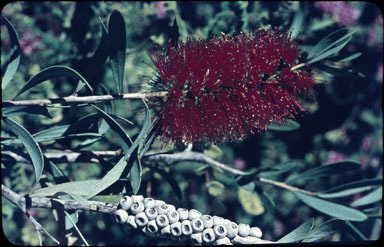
point(157, 218)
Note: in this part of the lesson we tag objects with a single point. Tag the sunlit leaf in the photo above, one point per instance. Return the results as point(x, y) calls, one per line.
point(136, 173)
point(82, 188)
point(250, 201)
point(215, 188)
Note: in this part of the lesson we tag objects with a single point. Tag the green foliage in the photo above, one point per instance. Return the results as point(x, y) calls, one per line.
point(74, 49)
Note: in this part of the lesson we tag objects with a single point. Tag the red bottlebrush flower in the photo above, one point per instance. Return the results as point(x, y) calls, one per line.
point(227, 86)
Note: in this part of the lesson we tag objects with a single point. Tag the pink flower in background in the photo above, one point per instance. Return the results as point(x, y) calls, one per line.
point(29, 42)
point(334, 157)
point(366, 144)
point(239, 164)
point(161, 11)
point(345, 14)
point(380, 72)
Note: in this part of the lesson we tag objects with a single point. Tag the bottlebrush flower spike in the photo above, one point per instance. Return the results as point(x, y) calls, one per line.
point(227, 86)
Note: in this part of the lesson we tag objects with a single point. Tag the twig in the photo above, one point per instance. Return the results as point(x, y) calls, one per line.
point(42, 202)
point(286, 186)
point(82, 99)
point(77, 229)
point(20, 202)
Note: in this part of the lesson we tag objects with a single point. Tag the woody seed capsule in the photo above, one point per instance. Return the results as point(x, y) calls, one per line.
point(244, 230)
point(141, 219)
point(151, 213)
point(223, 241)
point(173, 217)
point(220, 231)
point(149, 202)
point(162, 208)
point(137, 198)
point(126, 202)
point(207, 221)
point(255, 232)
point(194, 214)
point(176, 229)
point(232, 230)
point(183, 213)
point(137, 207)
point(186, 227)
point(162, 221)
point(197, 238)
point(131, 221)
point(121, 216)
point(208, 235)
point(166, 231)
point(197, 225)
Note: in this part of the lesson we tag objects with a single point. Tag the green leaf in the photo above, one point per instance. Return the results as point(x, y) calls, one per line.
point(97, 61)
point(21, 109)
point(327, 42)
point(110, 178)
point(11, 66)
point(58, 176)
point(346, 192)
point(298, 20)
point(50, 73)
point(118, 46)
point(172, 182)
point(326, 170)
point(351, 57)
point(136, 172)
point(299, 233)
point(372, 197)
point(290, 125)
point(123, 138)
point(355, 184)
point(215, 188)
point(325, 229)
point(250, 201)
point(82, 188)
point(75, 196)
point(276, 170)
point(342, 72)
point(331, 208)
point(330, 45)
point(355, 232)
point(30, 144)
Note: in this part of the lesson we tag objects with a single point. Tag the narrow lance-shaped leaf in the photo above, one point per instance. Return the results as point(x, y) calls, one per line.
point(11, 66)
point(110, 178)
point(136, 172)
point(22, 109)
point(123, 138)
point(299, 233)
point(30, 144)
point(298, 20)
point(372, 197)
point(82, 188)
point(331, 208)
point(327, 170)
point(117, 47)
point(50, 73)
point(96, 61)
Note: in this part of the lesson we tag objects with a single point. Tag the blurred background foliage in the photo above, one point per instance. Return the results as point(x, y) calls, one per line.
point(344, 124)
